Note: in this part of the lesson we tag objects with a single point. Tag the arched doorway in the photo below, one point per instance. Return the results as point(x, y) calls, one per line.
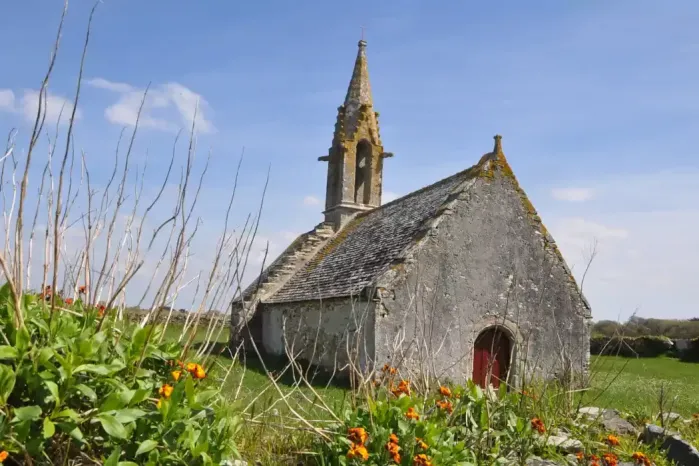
point(491, 357)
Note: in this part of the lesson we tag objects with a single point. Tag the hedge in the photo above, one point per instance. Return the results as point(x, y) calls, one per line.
point(691, 354)
point(644, 347)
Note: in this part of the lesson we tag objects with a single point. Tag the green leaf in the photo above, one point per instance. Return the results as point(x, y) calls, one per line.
point(7, 383)
point(146, 446)
point(112, 426)
point(127, 463)
point(140, 395)
point(22, 339)
point(113, 459)
point(128, 415)
point(67, 413)
point(53, 388)
point(27, 413)
point(99, 369)
point(87, 391)
point(189, 389)
point(206, 395)
point(112, 402)
point(8, 352)
point(49, 428)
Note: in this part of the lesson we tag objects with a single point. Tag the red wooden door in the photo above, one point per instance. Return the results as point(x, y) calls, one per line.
point(491, 356)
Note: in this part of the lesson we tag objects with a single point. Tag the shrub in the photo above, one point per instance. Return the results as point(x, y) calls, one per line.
point(74, 385)
point(691, 354)
point(645, 347)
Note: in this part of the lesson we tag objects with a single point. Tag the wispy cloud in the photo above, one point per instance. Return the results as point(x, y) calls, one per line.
point(388, 196)
point(311, 200)
point(572, 194)
point(55, 107)
point(158, 100)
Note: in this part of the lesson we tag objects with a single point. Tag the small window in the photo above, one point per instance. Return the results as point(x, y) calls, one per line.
point(362, 190)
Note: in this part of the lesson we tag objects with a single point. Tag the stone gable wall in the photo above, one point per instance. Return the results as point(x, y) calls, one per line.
point(484, 263)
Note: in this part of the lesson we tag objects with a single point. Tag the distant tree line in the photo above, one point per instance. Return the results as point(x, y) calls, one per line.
point(641, 327)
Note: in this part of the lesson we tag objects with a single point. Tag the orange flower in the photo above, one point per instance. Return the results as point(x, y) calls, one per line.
point(403, 387)
point(69, 301)
point(82, 289)
point(421, 444)
point(640, 458)
point(611, 440)
point(358, 451)
point(393, 448)
point(412, 414)
point(357, 435)
point(191, 367)
point(580, 456)
point(594, 458)
point(199, 373)
point(422, 460)
point(538, 425)
point(3, 455)
point(165, 390)
point(446, 406)
point(176, 375)
point(695, 416)
point(180, 363)
point(445, 391)
point(610, 459)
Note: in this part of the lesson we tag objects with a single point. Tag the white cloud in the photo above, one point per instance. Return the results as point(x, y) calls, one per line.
point(647, 247)
point(572, 194)
point(55, 106)
point(388, 196)
point(157, 108)
point(311, 200)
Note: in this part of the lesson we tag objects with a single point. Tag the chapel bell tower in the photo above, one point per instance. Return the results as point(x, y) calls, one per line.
point(355, 160)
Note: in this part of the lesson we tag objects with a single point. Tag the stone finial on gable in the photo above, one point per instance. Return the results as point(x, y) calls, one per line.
point(498, 145)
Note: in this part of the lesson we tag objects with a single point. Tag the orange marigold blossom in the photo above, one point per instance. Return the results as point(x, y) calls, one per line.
point(594, 458)
point(538, 425)
point(3, 455)
point(358, 451)
point(611, 440)
point(199, 373)
point(81, 289)
point(403, 387)
point(191, 367)
point(176, 375)
point(412, 414)
point(610, 459)
point(695, 415)
point(446, 406)
point(393, 438)
point(580, 456)
point(422, 460)
point(69, 301)
point(393, 448)
point(165, 390)
point(421, 444)
point(641, 458)
point(445, 391)
point(357, 435)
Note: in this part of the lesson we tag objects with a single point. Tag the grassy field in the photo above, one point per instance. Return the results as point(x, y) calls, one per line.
point(634, 385)
point(631, 385)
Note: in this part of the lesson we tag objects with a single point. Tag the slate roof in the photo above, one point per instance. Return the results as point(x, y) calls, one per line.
point(367, 245)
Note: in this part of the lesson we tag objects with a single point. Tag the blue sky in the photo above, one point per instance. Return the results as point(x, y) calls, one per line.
point(596, 101)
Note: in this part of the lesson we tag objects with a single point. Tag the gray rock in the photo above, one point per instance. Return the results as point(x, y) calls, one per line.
point(613, 422)
point(676, 449)
point(536, 461)
point(590, 412)
point(669, 418)
point(564, 443)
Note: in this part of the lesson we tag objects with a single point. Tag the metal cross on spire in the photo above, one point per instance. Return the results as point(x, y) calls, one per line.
point(362, 28)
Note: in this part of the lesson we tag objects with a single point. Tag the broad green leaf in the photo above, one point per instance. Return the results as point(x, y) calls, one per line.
point(140, 395)
point(127, 463)
point(7, 383)
point(128, 415)
point(189, 389)
point(27, 413)
point(146, 446)
point(67, 413)
point(49, 428)
point(87, 391)
point(8, 352)
point(22, 339)
point(112, 426)
point(53, 388)
point(206, 395)
point(94, 368)
point(112, 402)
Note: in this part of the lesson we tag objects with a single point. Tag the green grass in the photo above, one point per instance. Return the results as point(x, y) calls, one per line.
point(635, 384)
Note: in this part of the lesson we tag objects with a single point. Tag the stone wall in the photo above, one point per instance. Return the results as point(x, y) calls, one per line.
point(318, 332)
point(484, 262)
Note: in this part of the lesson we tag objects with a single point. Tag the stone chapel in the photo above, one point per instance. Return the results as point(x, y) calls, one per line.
point(457, 280)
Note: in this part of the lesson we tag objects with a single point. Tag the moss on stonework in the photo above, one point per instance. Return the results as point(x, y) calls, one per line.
point(335, 242)
point(500, 163)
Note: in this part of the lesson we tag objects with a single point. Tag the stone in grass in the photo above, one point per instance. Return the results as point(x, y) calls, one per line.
point(564, 443)
point(676, 449)
point(536, 461)
point(669, 418)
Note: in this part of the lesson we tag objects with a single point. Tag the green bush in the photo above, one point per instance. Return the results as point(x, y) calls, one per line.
point(73, 385)
point(691, 354)
point(644, 347)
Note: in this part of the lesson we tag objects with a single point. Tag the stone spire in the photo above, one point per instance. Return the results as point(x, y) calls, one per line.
point(355, 160)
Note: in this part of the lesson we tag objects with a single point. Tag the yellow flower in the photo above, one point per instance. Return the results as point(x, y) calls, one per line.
point(159, 403)
point(199, 373)
point(166, 390)
point(176, 375)
point(191, 367)
point(421, 444)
